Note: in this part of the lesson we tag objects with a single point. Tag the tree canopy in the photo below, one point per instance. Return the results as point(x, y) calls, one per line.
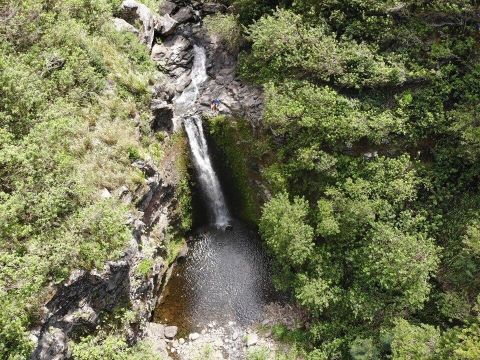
point(372, 110)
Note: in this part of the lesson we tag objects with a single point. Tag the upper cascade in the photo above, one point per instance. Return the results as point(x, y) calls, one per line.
point(184, 103)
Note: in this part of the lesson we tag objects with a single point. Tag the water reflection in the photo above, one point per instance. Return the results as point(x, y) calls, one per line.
point(226, 277)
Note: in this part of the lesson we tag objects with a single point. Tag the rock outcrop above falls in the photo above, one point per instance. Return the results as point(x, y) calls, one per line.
point(178, 28)
point(133, 11)
point(173, 54)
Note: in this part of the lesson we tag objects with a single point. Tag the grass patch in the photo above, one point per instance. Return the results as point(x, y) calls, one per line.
point(258, 353)
point(174, 243)
point(145, 267)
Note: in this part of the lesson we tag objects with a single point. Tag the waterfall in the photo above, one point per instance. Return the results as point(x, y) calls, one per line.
point(184, 103)
point(206, 175)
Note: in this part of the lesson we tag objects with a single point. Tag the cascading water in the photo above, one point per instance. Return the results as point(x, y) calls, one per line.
point(206, 175)
point(184, 103)
point(226, 274)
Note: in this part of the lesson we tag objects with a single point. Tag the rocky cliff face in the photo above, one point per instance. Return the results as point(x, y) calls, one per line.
point(77, 305)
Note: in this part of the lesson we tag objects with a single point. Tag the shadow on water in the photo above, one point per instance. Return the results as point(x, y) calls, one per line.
point(226, 277)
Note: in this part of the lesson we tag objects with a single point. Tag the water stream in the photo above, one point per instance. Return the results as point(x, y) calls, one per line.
point(206, 175)
point(184, 103)
point(226, 275)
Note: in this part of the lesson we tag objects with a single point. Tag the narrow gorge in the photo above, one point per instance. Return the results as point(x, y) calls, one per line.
point(221, 280)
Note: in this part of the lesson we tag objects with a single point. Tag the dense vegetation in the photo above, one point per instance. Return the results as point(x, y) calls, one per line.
point(235, 150)
point(72, 92)
point(372, 110)
point(374, 138)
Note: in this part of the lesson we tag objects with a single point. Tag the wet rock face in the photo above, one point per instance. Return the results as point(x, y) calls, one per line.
point(162, 116)
point(173, 54)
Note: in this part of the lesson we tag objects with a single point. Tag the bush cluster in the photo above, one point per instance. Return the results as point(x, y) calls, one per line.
point(372, 107)
point(72, 89)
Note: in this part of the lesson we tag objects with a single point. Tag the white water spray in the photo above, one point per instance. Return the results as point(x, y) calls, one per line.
point(185, 104)
point(206, 175)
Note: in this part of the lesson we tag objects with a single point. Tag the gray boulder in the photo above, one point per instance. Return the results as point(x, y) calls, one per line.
point(167, 8)
point(166, 25)
point(164, 89)
point(173, 53)
point(193, 336)
point(53, 345)
point(123, 26)
point(171, 332)
point(131, 11)
point(184, 14)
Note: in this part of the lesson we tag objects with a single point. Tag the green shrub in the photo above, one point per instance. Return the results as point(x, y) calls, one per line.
point(71, 87)
point(226, 27)
point(112, 347)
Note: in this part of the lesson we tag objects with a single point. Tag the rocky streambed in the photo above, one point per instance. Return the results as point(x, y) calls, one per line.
point(228, 340)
